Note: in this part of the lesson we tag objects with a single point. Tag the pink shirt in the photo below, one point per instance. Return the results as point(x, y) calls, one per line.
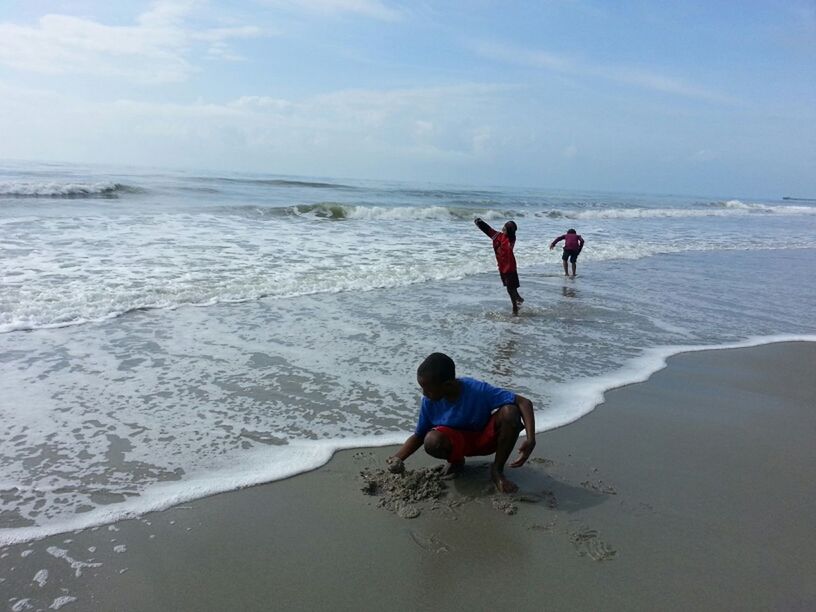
point(572, 242)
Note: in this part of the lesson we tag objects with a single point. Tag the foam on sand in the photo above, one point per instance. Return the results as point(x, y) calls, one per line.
point(584, 395)
point(574, 400)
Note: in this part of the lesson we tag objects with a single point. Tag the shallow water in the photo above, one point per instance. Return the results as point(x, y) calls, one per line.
point(191, 334)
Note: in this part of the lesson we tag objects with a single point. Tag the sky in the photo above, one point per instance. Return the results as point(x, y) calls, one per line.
point(709, 97)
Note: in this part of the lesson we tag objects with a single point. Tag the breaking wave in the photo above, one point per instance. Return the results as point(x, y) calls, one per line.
point(56, 189)
point(276, 182)
point(334, 211)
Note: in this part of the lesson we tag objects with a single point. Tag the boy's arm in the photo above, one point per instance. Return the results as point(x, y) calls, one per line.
point(528, 416)
point(484, 227)
point(580, 243)
point(557, 240)
point(409, 447)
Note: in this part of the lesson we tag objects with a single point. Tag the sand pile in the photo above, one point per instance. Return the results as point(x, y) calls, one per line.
point(400, 493)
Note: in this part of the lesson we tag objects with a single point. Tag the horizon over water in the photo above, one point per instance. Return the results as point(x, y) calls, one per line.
point(169, 335)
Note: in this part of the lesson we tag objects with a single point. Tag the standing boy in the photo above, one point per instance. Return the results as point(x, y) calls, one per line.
point(464, 417)
point(573, 243)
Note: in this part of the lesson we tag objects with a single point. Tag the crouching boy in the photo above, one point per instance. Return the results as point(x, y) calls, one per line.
point(464, 417)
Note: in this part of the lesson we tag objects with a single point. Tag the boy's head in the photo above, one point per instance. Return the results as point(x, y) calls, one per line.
point(571, 231)
point(436, 376)
point(510, 229)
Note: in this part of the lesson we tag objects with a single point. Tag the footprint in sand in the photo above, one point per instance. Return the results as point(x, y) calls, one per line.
point(364, 457)
point(545, 527)
point(542, 461)
point(599, 487)
point(505, 504)
point(429, 543)
point(550, 499)
point(588, 544)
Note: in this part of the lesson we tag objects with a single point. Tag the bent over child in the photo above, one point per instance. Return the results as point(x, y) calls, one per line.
point(573, 243)
point(503, 243)
point(465, 417)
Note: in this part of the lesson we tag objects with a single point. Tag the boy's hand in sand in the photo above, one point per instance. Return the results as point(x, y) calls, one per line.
point(525, 450)
point(395, 465)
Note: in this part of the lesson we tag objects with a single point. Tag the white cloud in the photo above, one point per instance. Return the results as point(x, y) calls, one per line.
point(527, 57)
point(374, 9)
point(574, 67)
point(342, 132)
point(155, 49)
point(661, 83)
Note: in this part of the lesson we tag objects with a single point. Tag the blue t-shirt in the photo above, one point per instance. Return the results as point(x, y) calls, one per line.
point(472, 409)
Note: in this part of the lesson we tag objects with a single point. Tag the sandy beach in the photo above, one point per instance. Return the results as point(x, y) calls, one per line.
point(691, 491)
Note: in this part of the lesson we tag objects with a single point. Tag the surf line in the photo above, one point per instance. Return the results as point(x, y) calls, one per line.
point(297, 457)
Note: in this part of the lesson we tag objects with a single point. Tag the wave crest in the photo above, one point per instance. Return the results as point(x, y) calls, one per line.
point(55, 189)
point(336, 211)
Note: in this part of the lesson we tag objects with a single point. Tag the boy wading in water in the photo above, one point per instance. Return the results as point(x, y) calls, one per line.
point(573, 243)
point(464, 417)
point(503, 243)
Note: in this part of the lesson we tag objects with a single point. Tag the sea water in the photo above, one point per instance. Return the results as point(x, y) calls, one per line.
point(168, 335)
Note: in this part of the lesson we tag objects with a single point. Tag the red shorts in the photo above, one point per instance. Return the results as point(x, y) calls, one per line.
point(470, 443)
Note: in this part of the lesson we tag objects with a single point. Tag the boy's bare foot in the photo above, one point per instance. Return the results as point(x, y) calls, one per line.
point(520, 300)
point(503, 485)
point(452, 470)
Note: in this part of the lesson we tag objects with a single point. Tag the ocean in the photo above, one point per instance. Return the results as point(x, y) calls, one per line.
point(167, 335)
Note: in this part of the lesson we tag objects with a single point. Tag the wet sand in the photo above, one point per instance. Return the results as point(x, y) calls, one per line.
point(694, 490)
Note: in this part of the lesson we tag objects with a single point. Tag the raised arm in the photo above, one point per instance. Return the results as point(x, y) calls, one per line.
point(528, 417)
point(557, 240)
point(484, 227)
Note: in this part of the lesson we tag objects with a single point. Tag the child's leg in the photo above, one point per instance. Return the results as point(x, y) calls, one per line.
point(437, 444)
point(512, 293)
point(573, 267)
point(446, 443)
point(566, 271)
point(508, 428)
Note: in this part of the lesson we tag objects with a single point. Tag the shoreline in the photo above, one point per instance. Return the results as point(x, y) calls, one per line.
point(585, 395)
point(693, 490)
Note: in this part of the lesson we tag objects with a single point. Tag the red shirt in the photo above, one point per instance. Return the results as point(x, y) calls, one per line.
point(503, 247)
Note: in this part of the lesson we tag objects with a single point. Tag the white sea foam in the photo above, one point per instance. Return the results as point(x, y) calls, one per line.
point(62, 272)
point(570, 401)
point(41, 577)
point(61, 601)
point(61, 553)
point(265, 465)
